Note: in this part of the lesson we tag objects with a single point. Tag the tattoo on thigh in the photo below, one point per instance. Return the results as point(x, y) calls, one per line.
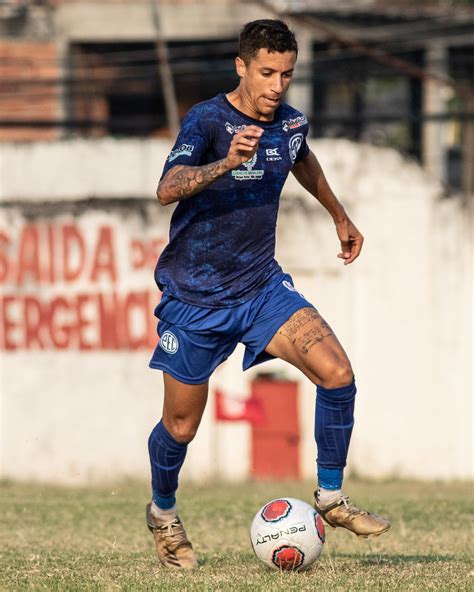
point(305, 329)
point(315, 335)
point(299, 319)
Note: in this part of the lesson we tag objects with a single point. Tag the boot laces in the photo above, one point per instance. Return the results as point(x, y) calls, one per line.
point(175, 533)
point(351, 509)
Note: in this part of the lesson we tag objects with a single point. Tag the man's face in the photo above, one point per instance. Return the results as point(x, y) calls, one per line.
point(265, 79)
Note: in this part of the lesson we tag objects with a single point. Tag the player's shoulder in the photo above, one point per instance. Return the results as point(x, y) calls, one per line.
point(291, 118)
point(204, 109)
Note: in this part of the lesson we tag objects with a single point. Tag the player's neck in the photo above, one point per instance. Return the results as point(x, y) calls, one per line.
point(243, 104)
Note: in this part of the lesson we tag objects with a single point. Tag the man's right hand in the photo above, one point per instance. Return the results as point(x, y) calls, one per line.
point(243, 146)
point(181, 181)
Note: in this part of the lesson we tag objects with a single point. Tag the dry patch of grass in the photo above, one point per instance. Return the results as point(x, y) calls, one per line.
point(54, 538)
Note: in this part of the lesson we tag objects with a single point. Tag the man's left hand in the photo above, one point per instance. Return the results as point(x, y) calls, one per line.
point(351, 240)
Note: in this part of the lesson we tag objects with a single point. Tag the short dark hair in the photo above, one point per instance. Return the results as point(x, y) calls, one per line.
point(273, 35)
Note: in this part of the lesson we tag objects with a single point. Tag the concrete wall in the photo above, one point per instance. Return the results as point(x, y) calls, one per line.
point(105, 21)
point(79, 234)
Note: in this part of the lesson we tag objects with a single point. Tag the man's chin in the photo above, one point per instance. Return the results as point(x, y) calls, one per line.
point(270, 107)
point(266, 109)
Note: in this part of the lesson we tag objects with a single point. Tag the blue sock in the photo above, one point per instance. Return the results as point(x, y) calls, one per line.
point(330, 478)
point(332, 429)
point(166, 458)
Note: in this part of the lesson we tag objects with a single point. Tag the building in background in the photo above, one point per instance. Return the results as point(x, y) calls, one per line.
point(397, 74)
point(91, 92)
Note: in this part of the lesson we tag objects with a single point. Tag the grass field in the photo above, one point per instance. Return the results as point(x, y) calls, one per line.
point(62, 539)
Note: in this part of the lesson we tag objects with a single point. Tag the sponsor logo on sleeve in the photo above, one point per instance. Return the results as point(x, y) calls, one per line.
point(296, 122)
point(249, 174)
point(294, 145)
point(184, 149)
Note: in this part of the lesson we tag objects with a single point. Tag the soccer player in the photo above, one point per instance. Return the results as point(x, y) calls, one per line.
point(221, 283)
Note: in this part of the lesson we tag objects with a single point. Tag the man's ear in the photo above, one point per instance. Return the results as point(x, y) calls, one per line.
point(240, 67)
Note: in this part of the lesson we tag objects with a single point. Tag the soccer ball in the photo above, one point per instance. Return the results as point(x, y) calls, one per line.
point(287, 534)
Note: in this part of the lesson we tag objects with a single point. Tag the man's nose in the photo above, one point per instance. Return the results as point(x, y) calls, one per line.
point(277, 85)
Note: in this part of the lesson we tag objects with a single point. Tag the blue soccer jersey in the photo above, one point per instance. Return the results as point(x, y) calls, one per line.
point(222, 240)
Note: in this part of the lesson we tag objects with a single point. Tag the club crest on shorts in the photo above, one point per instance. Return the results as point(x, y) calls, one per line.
point(276, 510)
point(169, 342)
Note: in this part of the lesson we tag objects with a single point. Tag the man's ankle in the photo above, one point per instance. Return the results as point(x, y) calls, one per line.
point(325, 497)
point(164, 515)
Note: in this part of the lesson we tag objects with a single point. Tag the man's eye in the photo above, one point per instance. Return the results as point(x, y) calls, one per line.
point(288, 75)
point(266, 74)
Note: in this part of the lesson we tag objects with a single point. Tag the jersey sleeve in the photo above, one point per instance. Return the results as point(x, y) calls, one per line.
point(192, 142)
point(303, 151)
point(304, 148)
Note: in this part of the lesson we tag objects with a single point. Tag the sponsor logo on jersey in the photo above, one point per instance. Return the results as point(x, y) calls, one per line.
point(186, 149)
point(249, 174)
point(290, 124)
point(291, 288)
point(272, 154)
point(233, 129)
point(250, 163)
point(294, 145)
point(169, 342)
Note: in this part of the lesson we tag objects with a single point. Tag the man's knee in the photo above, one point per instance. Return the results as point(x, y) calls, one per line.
point(183, 429)
point(338, 375)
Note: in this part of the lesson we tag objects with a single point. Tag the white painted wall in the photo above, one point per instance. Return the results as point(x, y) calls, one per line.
point(403, 312)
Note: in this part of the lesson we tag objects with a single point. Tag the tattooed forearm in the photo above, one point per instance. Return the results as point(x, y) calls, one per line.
point(183, 181)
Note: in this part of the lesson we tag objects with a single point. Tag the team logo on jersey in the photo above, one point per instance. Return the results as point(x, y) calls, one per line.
point(290, 124)
point(169, 342)
point(294, 145)
point(233, 129)
point(183, 149)
point(272, 154)
point(249, 174)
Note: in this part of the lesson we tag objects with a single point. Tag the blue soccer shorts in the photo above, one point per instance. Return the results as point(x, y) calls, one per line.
point(194, 340)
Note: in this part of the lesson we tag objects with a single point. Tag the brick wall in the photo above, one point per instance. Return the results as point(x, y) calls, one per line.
point(30, 91)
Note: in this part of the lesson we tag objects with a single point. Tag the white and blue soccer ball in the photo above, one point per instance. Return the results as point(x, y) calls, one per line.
point(287, 534)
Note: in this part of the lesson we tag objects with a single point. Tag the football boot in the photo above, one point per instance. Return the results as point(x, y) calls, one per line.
point(344, 514)
point(172, 544)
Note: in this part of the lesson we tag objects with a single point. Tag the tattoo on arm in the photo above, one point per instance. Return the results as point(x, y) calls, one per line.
point(184, 181)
